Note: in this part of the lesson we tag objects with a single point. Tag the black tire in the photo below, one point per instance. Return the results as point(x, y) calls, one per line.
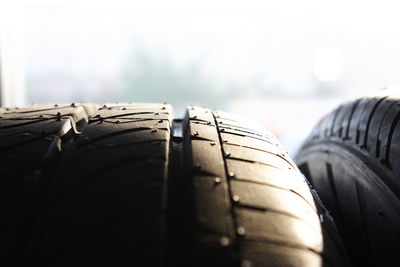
point(352, 159)
point(126, 185)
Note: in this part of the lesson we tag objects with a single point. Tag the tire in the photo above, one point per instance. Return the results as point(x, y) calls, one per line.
point(128, 185)
point(352, 159)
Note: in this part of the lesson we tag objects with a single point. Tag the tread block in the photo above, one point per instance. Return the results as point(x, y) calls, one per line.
point(271, 255)
point(270, 175)
point(200, 131)
point(251, 142)
point(244, 126)
point(274, 199)
point(207, 158)
point(275, 227)
point(212, 207)
point(276, 160)
point(241, 132)
point(200, 114)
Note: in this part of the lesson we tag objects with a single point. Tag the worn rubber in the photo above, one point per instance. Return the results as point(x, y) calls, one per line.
point(127, 185)
point(351, 158)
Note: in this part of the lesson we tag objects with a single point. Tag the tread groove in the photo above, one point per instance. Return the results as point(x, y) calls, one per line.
point(37, 110)
point(331, 181)
point(257, 162)
point(378, 141)
point(275, 186)
point(155, 141)
point(368, 228)
point(228, 182)
point(105, 169)
point(25, 123)
point(264, 209)
point(371, 115)
point(28, 141)
point(286, 244)
point(259, 149)
point(386, 160)
point(353, 110)
point(239, 130)
point(113, 134)
point(334, 120)
point(97, 118)
point(249, 136)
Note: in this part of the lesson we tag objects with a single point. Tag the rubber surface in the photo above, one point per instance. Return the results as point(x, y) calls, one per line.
point(351, 158)
point(127, 185)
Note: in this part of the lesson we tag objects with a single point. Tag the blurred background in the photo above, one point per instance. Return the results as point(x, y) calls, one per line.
point(283, 63)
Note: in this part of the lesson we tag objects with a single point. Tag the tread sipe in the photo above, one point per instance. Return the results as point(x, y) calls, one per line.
point(352, 159)
point(128, 185)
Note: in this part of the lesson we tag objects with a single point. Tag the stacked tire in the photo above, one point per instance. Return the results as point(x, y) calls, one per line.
point(129, 185)
point(352, 158)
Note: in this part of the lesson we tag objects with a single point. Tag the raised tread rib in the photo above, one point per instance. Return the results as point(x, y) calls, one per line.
point(28, 157)
point(106, 185)
point(241, 188)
